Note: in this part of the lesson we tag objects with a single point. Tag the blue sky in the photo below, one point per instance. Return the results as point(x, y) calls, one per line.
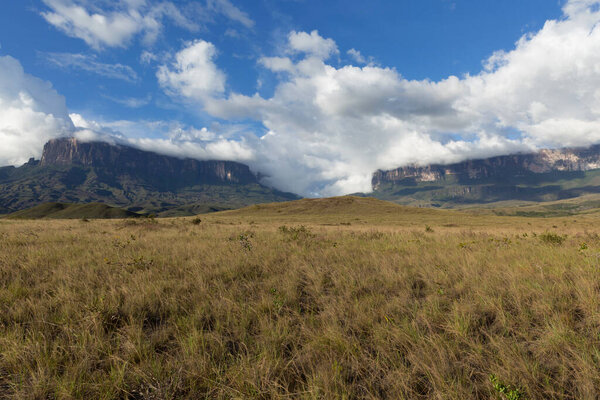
point(316, 95)
point(420, 38)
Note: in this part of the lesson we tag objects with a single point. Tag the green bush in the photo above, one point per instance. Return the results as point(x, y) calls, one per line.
point(552, 238)
point(509, 392)
point(296, 232)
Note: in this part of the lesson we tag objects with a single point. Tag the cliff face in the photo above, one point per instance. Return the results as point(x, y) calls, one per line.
point(158, 169)
point(80, 172)
point(503, 168)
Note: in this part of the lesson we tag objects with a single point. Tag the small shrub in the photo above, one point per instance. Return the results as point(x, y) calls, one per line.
point(196, 221)
point(428, 228)
point(139, 263)
point(120, 244)
point(508, 392)
point(296, 233)
point(552, 238)
point(373, 235)
point(244, 240)
point(277, 299)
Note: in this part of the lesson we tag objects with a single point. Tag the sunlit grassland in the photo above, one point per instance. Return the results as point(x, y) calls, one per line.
point(352, 299)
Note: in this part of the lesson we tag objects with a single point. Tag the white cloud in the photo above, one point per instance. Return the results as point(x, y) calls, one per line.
point(170, 138)
point(116, 23)
point(330, 127)
point(148, 57)
point(31, 113)
point(277, 64)
point(99, 29)
point(312, 44)
point(226, 8)
point(91, 64)
point(193, 73)
point(130, 102)
point(357, 56)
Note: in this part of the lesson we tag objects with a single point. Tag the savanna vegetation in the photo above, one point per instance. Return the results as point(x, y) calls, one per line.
point(345, 298)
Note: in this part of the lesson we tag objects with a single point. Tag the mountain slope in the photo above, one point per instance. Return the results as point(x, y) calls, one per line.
point(548, 175)
point(78, 172)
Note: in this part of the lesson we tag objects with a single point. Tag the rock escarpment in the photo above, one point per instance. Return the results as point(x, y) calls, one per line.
point(160, 169)
point(73, 171)
point(542, 176)
point(501, 167)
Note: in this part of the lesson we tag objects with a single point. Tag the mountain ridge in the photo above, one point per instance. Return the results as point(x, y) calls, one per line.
point(74, 171)
point(546, 175)
point(543, 161)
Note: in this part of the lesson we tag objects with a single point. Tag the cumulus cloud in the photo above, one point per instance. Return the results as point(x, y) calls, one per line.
point(113, 27)
point(115, 24)
point(357, 56)
point(91, 64)
point(327, 126)
point(193, 73)
point(277, 64)
point(31, 112)
point(330, 127)
point(312, 44)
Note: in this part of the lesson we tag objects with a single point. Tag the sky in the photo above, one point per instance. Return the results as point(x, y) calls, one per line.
point(313, 95)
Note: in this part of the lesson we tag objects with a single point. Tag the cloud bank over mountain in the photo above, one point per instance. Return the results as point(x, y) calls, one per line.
point(328, 126)
point(31, 112)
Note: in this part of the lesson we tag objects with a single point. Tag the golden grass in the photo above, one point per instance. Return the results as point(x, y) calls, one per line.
point(237, 307)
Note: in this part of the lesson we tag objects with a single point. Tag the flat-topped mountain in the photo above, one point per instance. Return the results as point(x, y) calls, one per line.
point(82, 172)
point(159, 170)
point(542, 176)
point(502, 167)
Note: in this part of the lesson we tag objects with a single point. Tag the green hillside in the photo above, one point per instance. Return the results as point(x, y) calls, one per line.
point(28, 186)
point(140, 181)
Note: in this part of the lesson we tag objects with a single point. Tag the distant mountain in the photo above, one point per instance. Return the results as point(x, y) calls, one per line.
point(547, 175)
point(84, 172)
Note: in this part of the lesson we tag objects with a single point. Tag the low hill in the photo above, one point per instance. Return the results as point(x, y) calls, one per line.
point(343, 205)
point(195, 209)
point(72, 211)
point(366, 212)
point(345, 210)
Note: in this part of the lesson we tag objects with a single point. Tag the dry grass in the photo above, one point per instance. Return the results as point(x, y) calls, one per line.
point(238, 307)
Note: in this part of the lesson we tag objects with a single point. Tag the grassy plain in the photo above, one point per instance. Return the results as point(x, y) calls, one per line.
point(72, 211)
point(347, 298)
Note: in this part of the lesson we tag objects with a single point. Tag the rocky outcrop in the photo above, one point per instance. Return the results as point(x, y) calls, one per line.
point(503, 168)
point(71, 171)
point(160, 169)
